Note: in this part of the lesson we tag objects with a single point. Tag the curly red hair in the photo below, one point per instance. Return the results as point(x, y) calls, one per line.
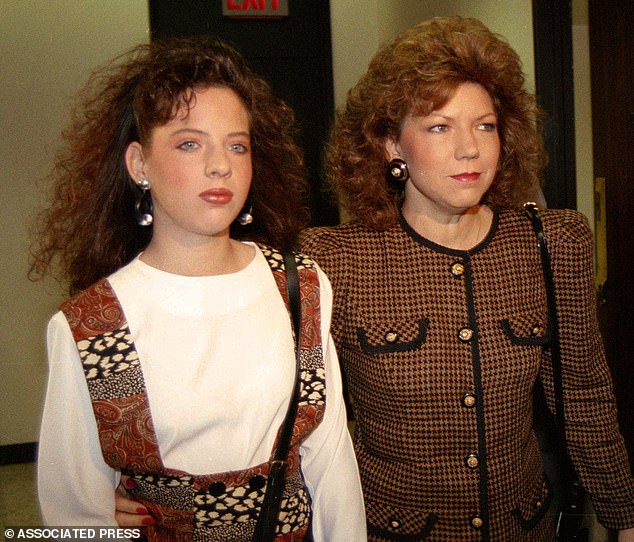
point(89, 229)
point(416, 74)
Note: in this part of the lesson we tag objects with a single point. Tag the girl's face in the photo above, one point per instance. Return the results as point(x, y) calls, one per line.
point(452, 154)
point(199, 168)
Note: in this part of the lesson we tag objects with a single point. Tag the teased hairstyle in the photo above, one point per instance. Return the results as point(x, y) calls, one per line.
point(89, 229)
point(417, 73)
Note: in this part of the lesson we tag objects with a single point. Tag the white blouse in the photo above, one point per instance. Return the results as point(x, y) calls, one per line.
point(218, 360)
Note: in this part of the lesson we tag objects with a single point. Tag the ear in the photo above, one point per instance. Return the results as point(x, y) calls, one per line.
point(392, 148)
point(135, 162)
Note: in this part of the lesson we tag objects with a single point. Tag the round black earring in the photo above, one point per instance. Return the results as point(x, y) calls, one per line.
point(397, 170)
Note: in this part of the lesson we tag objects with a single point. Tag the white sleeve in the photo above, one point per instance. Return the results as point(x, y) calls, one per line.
point(75, 486)
point(328, 461)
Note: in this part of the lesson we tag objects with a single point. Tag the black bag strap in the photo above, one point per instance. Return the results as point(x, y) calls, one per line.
point(292, 290)
point(555, 348)
point(265, 527)
point(569, 517)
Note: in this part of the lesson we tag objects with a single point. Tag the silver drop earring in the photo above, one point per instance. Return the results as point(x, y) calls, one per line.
point(246, 217)
point(143, 207)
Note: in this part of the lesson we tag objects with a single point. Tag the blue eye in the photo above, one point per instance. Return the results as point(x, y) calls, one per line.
point(488, 127)
point(239, 148)
point(188, 145)
point(438, 128)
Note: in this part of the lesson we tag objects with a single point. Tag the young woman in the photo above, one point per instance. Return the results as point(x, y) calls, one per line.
point(173, 363)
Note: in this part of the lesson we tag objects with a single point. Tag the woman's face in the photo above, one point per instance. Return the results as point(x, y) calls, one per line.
point(452, 154)
point(199, 167)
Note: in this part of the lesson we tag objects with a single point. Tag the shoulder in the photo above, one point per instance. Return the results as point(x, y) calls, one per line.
point(566, 230)
point(276, 258)
point(57, 325)
point(99, 293)
point(345, 238)
point(335, 248)
point(560, 225)
point(566, 225)
point(336, 236)
point(569, 239)
point(93, 311)
point(103, 291)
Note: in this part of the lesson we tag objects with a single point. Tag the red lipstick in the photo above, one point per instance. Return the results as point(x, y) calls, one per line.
point(470, 176)
point(218, 196)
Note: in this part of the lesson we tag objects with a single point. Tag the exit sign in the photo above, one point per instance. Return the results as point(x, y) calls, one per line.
point(255, 8)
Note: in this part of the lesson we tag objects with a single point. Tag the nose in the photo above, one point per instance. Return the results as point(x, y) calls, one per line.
point(217, 163)
point(466, 146)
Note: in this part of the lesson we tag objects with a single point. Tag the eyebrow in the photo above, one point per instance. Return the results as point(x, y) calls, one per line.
point(436, 114)
point(240, 133)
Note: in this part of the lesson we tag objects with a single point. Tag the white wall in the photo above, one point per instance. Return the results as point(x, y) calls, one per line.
point(47, 49)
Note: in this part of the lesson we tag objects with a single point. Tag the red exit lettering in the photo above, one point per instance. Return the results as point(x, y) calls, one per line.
point(235, 5)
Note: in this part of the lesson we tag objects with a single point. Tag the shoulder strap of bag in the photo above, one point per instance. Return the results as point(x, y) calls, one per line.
point(569, 516)
point(265, 527)
point(555, 348)
point(292, 290)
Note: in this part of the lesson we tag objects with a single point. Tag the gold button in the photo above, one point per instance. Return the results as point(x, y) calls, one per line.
point(536, 331)
point(472, 461)
point(469, 400)
point(477, 522)
point(465, 334)
point(457, 269)
point(391, 336)
point(395, 523)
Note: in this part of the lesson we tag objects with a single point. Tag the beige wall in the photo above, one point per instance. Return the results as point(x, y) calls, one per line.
point(359, 27)
point(47, 50)
point(583, 108)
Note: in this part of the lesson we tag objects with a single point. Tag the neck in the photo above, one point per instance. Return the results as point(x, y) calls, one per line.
point(216, 257)
point(460, 231)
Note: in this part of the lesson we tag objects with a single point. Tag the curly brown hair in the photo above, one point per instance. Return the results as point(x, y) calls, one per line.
point(416, 74)
point(89, 228)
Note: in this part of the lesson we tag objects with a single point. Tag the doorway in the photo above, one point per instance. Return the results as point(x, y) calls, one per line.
point(611, 53)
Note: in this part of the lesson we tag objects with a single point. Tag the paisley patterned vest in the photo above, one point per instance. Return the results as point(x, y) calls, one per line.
point(214, 507)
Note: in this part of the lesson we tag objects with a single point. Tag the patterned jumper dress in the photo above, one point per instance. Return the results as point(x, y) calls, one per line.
point(211, 507)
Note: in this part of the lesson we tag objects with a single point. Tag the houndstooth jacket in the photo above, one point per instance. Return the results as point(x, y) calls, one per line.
point(441, 349)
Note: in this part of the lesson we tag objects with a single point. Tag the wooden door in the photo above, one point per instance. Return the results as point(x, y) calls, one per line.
point(612, 68)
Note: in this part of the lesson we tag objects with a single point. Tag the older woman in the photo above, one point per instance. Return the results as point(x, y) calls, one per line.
point(440, 312)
